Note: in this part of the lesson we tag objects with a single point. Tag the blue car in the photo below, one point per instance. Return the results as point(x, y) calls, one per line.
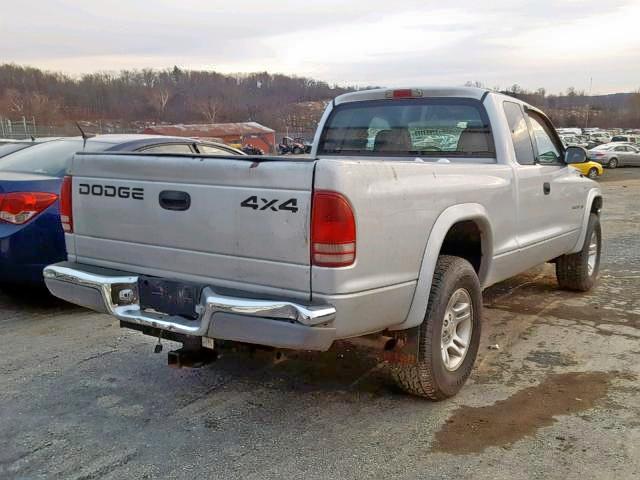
point(31, 235)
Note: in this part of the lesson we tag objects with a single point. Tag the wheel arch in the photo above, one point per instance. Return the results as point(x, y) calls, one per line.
point(453, 227)
point(592, 205)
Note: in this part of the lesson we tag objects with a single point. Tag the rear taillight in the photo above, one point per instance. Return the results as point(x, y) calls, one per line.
point(333, 230)
point(20, 207)
point(66, 212)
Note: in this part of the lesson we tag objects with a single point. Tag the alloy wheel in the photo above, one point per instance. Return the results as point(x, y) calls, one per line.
point(457, 327)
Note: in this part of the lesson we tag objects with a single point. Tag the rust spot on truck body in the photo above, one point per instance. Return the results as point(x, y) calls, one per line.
point(473, 429)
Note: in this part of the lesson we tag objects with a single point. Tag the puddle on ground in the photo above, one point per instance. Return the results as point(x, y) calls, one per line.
point(472, 429)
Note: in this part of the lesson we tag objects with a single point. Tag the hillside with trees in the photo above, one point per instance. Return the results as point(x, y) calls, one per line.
point(133, 98)
point(577, 109)
point(173, 95)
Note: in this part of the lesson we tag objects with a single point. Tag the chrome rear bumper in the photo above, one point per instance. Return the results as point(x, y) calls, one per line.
point(276, 323)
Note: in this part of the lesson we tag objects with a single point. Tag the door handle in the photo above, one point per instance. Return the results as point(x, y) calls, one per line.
point(546, 188)
point(174, 200)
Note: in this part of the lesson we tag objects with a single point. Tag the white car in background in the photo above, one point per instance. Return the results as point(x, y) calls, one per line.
point(600, 137)
point(574, 140)
point(569, 131)
point(634, 139)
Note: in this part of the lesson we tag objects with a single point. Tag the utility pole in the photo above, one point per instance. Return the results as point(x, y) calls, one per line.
point(586, 123)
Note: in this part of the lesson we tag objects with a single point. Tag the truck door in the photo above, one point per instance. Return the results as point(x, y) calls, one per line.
point(531, 216)
point(544, 181)
point(561, 204)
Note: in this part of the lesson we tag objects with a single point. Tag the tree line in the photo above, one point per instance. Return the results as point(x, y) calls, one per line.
point(176, 95)
point(575, 108)
point(173, 95)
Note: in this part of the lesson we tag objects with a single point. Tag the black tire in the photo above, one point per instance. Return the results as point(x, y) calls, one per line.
point(297, 151)
point(613, 163)
point(573, 271)
point(593, 173)
point(429, 377)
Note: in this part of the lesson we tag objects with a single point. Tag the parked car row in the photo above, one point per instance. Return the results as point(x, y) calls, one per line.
point(592, 137)
point(31, 172)
point(579, 141)
point(610, 149)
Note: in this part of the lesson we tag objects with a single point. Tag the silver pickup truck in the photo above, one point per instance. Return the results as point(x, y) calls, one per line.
point(411, 202)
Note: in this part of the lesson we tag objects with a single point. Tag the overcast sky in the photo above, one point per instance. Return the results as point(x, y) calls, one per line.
point(541, 43)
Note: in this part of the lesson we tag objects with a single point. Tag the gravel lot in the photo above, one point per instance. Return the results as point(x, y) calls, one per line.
point(82, 399)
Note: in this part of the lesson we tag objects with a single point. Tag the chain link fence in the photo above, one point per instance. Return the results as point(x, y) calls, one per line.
point(24, 128)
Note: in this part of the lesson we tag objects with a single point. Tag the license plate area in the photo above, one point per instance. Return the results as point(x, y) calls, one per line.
point(169, 296)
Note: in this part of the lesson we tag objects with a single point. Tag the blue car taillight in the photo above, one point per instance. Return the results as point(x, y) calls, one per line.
point(20, 207)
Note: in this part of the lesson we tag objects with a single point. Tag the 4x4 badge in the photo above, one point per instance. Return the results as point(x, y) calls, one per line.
point(252, 202)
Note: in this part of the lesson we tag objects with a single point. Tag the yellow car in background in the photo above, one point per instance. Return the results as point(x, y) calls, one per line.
point(589, 169)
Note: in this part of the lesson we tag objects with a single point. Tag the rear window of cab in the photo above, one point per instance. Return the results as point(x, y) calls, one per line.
point(424, 127)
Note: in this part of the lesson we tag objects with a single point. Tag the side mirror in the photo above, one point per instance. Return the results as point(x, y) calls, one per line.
point(575, 154)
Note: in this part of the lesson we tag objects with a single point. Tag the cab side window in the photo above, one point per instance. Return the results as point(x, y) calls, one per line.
point(548, 151)
point(519, 133)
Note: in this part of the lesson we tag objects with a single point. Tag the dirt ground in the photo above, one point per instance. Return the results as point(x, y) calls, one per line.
point(559, 397)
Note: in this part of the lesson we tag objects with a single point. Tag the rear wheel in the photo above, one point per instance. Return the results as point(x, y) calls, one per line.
point(579, 271)
point(593, 173)
point(613, 163)
point(449, 334)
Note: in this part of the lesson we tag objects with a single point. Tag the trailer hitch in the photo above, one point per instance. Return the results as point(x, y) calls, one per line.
point(191, 358)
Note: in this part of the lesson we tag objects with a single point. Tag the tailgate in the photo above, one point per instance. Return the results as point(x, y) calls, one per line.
point(229, 222)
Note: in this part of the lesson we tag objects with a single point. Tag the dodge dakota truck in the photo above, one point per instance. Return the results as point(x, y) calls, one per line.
point(411, 202)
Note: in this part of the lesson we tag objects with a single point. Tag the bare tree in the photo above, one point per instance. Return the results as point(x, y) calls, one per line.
point(209, 109)
point(159, 97)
